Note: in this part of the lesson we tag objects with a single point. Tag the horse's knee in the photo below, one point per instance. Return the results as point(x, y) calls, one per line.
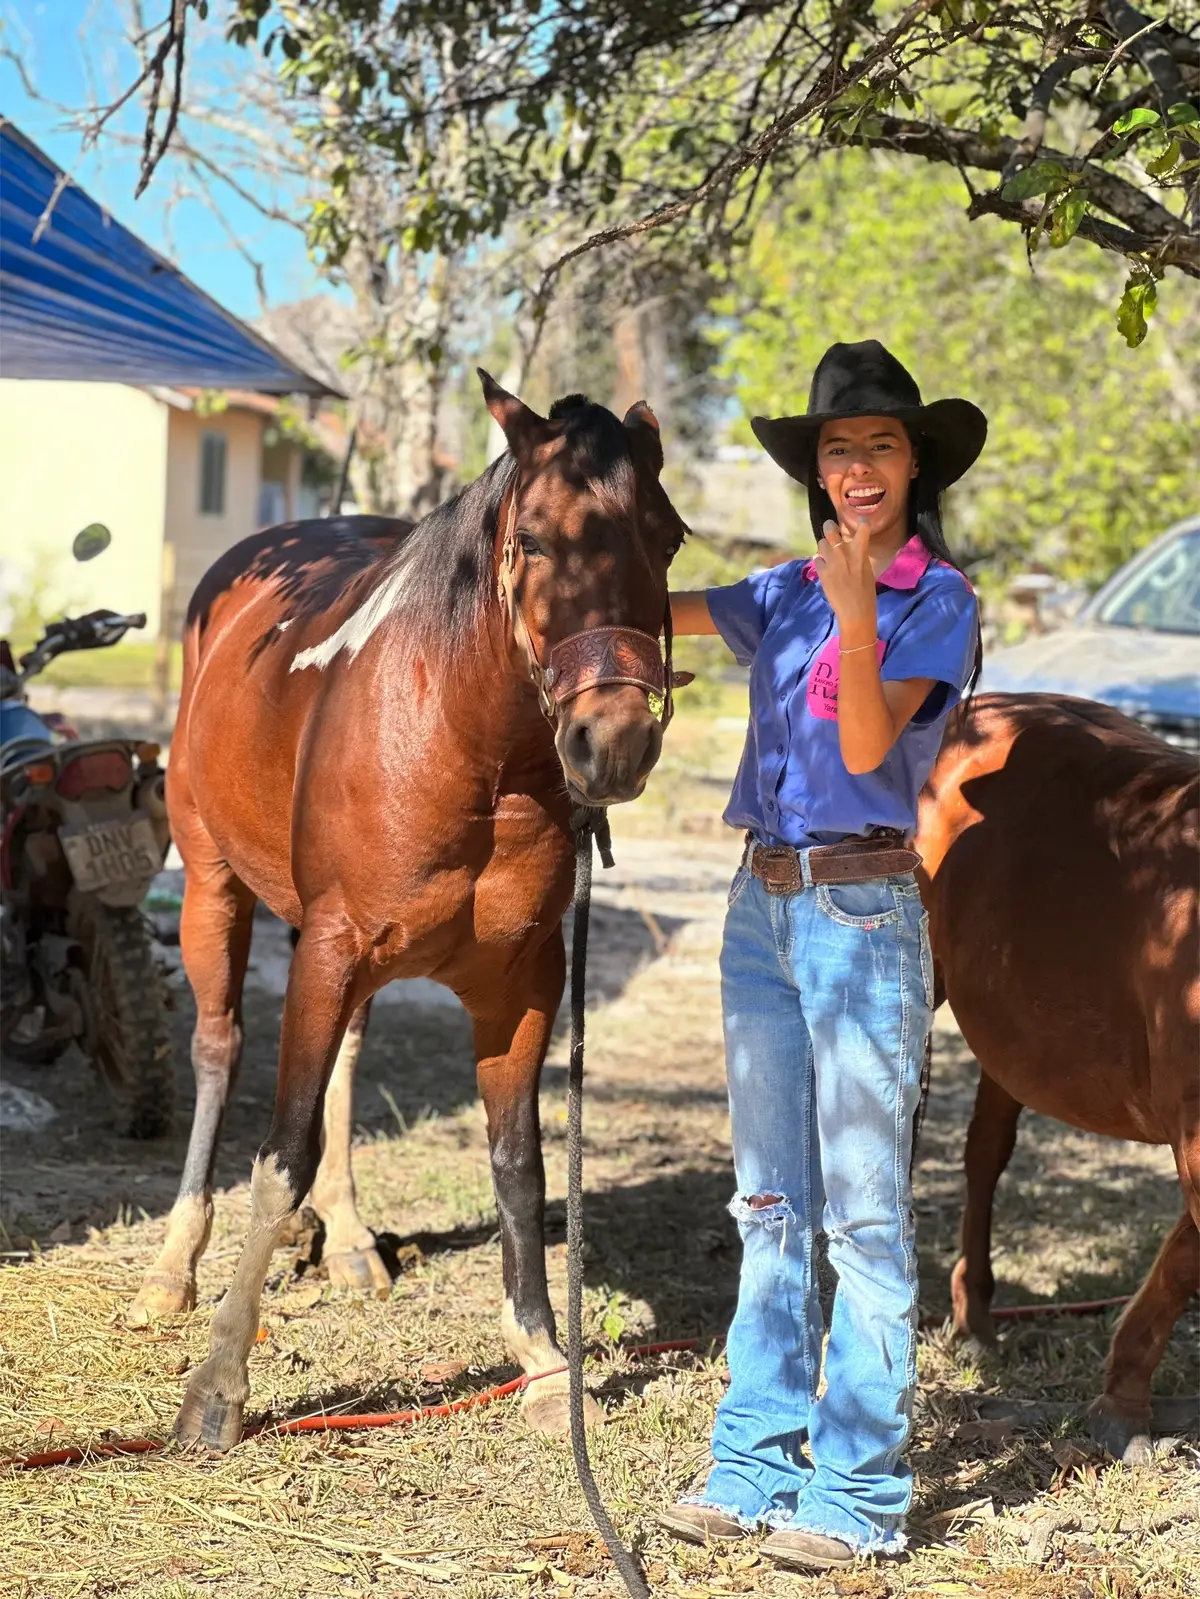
point(217, 1045)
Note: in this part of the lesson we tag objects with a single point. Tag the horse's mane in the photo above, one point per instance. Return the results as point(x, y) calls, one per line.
point(440, 579)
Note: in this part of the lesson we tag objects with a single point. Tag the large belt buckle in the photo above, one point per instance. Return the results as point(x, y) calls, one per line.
point(778, 868)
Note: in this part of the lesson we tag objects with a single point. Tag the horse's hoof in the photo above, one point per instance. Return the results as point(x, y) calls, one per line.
point(550, 1413)
point(975, 1346)
point(1125, 1437)
point(360, 1270)
point(161, 1296)
point(208, 1417)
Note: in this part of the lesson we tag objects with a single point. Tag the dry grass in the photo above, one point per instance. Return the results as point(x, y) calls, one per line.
point(476, 1506)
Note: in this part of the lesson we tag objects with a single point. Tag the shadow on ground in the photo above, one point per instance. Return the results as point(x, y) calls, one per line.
point(418, 1062)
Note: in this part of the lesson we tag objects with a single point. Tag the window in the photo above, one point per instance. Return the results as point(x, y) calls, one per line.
point(1164, 595)
point(212, 474)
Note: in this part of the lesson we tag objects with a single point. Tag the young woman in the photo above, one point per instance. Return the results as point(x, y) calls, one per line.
point(856, 657)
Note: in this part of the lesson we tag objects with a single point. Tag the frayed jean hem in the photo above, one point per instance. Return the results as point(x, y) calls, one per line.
point(878, 1541)
point(770, 1515)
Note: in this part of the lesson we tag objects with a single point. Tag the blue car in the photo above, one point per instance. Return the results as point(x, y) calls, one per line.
point(1134, 646)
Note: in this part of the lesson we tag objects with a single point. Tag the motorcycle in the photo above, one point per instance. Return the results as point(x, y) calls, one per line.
point(84, 834)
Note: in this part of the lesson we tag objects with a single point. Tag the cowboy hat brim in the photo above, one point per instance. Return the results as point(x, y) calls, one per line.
point(956, 427)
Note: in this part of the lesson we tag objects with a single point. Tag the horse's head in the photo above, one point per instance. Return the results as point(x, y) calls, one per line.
point(586, 534)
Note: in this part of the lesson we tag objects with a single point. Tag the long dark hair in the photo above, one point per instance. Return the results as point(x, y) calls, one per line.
point(924, 517)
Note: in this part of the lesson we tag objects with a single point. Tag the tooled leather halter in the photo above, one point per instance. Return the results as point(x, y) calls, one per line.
point(593, 658)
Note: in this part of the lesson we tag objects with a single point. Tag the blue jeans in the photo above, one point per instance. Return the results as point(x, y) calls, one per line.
point(827, 998)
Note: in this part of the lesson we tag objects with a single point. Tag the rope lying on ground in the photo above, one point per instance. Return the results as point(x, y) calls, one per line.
point(324, 1423)
point(366, 1420)
point(362, 1421)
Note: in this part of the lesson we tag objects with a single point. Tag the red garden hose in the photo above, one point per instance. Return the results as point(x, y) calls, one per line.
point(357, 1423)
point(400, 1418)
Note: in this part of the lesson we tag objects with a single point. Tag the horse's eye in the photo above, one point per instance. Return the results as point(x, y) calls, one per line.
point(673, 549)
point(529, 544)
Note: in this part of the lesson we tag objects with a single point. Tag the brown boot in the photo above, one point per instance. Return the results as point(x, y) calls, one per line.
point(807, 1551)
point(702, 1524)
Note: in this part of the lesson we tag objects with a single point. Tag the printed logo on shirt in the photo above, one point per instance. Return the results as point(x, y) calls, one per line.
point(823, 680)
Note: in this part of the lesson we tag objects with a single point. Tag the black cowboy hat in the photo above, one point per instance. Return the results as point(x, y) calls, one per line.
point(867, 380)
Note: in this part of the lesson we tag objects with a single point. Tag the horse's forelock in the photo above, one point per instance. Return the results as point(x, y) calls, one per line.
point(599, 451)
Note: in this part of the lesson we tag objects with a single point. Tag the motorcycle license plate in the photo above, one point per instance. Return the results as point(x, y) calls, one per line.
point(112, 854)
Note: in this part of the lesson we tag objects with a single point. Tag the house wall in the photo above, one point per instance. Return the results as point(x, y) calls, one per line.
point(195, 538)
point(281, 464)
point(70, 454)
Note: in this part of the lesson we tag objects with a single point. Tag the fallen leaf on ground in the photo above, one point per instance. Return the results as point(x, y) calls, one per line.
point(440, 1371)
point(1069, 1452)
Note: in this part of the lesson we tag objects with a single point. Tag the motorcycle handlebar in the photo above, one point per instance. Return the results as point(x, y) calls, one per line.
point(96, 630)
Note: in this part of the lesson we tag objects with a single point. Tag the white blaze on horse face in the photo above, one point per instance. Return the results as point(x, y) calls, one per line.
point(356, 630)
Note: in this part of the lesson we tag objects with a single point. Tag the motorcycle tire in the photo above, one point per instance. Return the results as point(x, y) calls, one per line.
point(124, 1000)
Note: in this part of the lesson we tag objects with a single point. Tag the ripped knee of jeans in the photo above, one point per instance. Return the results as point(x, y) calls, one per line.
point(768, 1210)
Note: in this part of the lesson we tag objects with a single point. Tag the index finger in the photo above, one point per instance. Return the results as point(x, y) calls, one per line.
point(852, 529)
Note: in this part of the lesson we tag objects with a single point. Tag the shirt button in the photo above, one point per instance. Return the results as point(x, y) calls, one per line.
point(770, 805)
point(779, 749)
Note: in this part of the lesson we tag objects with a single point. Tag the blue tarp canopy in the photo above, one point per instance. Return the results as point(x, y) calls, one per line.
point(90, 301)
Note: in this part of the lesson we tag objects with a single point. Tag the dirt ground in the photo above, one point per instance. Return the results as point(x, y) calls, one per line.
point(475, 1505)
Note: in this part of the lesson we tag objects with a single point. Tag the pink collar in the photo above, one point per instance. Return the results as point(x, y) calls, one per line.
point(907, 568)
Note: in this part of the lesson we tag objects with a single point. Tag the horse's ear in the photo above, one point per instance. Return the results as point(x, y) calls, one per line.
point(645, 440)
point(512, 416)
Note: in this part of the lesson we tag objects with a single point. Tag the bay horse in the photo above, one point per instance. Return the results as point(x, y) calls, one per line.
point(381, 735)
point(1061, 848)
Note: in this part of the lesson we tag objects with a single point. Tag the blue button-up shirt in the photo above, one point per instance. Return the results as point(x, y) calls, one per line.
point(792, 786)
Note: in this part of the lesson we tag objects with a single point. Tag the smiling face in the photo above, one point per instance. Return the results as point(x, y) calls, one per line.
point(865, 464)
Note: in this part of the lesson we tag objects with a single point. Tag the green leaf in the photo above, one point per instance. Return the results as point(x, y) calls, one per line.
point(1137, 304)
point(1066, 217)
point(1042, 177)
point(1182, 114)
point(1162, 164)
point(1140, 117)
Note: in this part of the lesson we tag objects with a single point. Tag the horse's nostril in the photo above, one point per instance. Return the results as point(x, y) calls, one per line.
point(650, 750)
point(580, 749)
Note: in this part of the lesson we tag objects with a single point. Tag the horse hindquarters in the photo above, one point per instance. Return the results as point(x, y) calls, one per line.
point(214, 936)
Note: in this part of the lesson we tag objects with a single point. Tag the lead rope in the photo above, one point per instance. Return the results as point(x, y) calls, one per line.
point(587, 823)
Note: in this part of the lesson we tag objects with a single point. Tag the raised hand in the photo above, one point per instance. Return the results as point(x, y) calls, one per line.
point(843, 561)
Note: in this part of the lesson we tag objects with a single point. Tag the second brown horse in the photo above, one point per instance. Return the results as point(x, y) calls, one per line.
point(381, 735)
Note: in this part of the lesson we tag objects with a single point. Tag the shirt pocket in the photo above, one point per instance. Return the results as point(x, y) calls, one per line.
point(863, 905)
point(822, 691)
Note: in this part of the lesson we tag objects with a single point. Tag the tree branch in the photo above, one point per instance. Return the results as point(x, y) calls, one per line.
point(1179, 250)
point(1138, 210)
point(743, 156)
point(1139, 34)
point(1036, 117)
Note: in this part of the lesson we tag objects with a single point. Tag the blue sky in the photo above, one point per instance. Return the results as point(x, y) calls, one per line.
point(69, 46)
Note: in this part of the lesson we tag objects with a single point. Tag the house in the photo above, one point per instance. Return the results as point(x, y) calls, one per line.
point(177, 475)
point(129, 397)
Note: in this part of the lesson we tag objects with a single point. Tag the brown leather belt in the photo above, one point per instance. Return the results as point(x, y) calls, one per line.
point(854, 860)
